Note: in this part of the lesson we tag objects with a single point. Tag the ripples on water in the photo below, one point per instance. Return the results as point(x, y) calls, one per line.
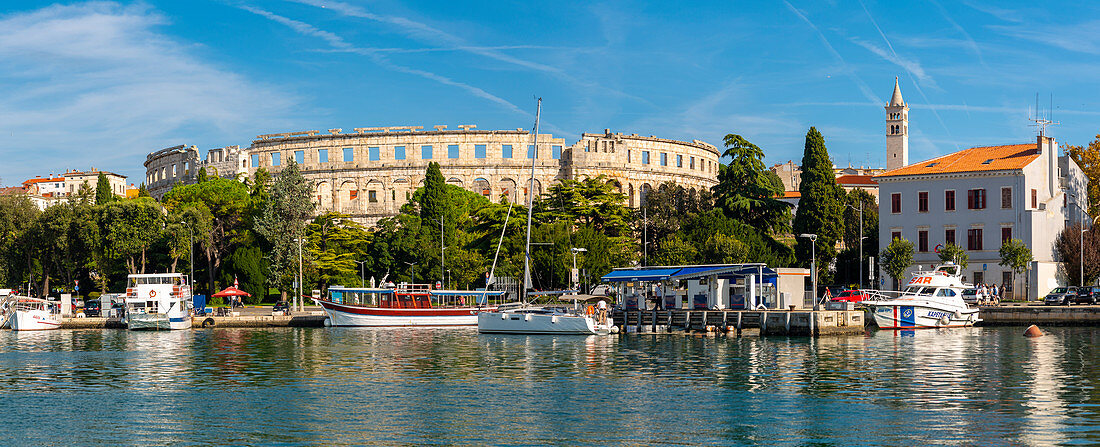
point(454, 386)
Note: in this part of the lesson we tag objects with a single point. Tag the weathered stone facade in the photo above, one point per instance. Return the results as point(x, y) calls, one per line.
point(181, 164)
point(371, 173)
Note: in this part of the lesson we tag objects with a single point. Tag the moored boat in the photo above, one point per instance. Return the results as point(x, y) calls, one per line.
point(932, 299)
point(543, 320)
point(33, 314)
point(158, 301)
point(405, 305)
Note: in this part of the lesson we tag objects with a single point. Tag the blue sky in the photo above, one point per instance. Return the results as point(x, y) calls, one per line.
point(103, 84)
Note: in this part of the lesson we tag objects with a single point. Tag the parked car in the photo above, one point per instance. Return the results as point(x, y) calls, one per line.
point(1060, 296)
point(971, 296)
point(91, 308)
point(853, 295)
point(280, 306)
point(1087, 295)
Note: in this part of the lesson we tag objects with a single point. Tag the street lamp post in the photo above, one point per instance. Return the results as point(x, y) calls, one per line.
point(412, 269)
point(191, 252)
point(301, 305)
point(813, 261)
point(362, 273)
point(860, 209)
point(575, 250)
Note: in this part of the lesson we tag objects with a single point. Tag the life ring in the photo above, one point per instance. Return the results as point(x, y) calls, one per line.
point(937, 248)
point(152, 294)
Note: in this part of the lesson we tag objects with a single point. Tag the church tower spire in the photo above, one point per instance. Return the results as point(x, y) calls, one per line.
point(897, 130)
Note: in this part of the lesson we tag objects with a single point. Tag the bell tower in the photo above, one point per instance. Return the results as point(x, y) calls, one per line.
point(897, 130)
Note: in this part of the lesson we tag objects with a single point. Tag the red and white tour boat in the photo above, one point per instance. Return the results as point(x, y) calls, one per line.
point(405, 305)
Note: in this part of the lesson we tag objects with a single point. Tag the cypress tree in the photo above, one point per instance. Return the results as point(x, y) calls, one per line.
point(202, 175)
point(103, 194)
point(434, 201)
point(821, 207)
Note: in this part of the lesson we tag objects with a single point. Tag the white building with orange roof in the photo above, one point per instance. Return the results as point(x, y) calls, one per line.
point(977, 198)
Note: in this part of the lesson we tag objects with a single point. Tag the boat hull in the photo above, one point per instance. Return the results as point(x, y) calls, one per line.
point(34, 320)
point(921, 316)
point(346, 315)
point(156, 322)
point(532, 323)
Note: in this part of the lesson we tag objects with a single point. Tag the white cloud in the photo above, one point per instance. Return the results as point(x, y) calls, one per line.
point(96, 84)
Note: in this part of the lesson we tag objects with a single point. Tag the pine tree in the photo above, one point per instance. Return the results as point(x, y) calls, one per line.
point(285, 215)
point(103, 194)
point(821, 207)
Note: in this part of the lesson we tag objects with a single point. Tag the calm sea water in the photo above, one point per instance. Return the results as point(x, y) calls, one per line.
point(342, 386)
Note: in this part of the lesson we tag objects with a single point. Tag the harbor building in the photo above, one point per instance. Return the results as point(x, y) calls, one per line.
point(369, 173)
point(977, 199)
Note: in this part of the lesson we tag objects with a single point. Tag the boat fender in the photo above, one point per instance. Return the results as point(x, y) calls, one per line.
point(958, 315)
point(209, 322)
point(527, 317)
point(503, 316)
point(328, 322)
point(945, 320)
point(554, 319)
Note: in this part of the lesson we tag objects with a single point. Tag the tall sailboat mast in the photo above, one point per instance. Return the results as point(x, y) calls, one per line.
point(530, 207)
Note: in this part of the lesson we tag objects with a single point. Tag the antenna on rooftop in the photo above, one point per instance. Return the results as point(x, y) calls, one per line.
point(1037, 118)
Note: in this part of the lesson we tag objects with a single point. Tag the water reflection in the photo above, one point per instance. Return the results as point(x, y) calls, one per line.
point(355, 386)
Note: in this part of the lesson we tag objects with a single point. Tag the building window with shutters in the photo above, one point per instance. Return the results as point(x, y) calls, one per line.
point(895, 203)
point(974, 239)
point(949, 200)
point(1006, 234)
point(922, 241)
point(1034, 198)
point(895, 235)
point(975, 199)
point(922, 202)
point(949, 236)
point(372, 196)
point(1006, 198)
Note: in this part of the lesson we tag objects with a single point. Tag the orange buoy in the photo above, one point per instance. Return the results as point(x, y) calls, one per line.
point(1033, 331)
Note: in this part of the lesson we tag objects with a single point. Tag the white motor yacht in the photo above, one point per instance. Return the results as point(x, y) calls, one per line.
point(932, 299)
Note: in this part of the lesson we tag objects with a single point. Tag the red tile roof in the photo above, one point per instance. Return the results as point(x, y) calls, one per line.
point(791, 195)
point(12, 190)
point(975, 159)
point(40, 180)
point(853, 179)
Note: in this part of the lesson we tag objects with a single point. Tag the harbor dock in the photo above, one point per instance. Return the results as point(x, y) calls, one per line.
point(1025, 315)
point(736, 322)
point(249, 321)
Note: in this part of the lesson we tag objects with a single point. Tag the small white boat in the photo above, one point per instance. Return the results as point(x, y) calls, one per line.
point(158, 301)
point(404, 305)
point(33, 314)
point(932, 299)
point(543, 320)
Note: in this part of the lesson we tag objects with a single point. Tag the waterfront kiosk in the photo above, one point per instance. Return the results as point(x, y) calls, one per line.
point(721, 286)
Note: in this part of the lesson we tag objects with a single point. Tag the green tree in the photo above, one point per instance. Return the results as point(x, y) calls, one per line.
point(17, 217)
point(674, 250)
point(143, 191)
point(103, 193)
point(201, 177)
point(285, 216)
point(954, 253)
point(248, 266)
point(129, 228)
point(749, 190)
point(1016, 256)
point(225, 203)
point(896, 257)
point(820, 209)
point(335, 244)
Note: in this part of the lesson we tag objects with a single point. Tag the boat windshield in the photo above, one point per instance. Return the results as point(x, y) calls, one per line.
point(945, 292)
point(918, 290)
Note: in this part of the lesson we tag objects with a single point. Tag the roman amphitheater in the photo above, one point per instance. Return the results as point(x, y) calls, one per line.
point(370, 173)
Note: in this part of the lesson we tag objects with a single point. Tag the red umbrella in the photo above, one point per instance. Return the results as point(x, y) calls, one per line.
point(231, 291)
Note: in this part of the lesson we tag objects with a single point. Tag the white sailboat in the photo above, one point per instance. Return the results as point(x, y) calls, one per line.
point(528, 319)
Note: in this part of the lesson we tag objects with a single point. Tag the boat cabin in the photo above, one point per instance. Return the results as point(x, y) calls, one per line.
point(410, 296)
point(721, 286)
point(157, 292)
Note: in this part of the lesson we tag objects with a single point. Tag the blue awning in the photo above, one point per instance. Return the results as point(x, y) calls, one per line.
point(641, 274)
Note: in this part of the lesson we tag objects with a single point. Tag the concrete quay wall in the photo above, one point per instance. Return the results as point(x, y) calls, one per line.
point(1040, 315)
point(249, 321)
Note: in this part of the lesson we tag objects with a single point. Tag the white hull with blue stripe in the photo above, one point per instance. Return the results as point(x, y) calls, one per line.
point(932, 299)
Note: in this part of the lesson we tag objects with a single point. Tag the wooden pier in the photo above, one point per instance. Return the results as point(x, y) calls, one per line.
point(763, 322)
